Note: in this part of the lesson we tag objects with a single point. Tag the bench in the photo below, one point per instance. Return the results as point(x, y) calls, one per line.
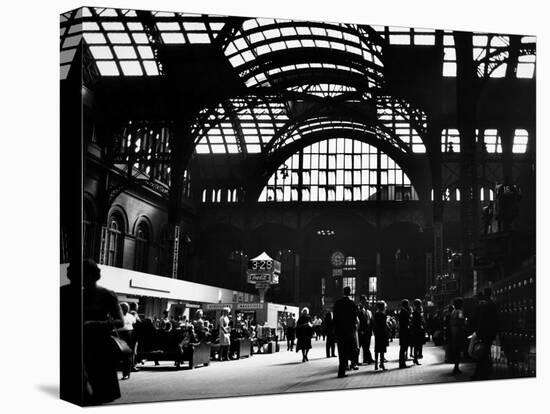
point(167, 346)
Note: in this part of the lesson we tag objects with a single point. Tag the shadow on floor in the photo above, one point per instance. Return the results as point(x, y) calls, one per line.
point(49, 389)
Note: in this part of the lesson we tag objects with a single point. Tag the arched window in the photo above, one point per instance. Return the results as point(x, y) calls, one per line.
point(204, 195)
point(142, 247)
point(451, 194)
point(486, 194)
point(114, 241)
point(339, 169)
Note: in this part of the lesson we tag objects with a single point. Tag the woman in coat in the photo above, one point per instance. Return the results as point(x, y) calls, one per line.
point(101, 314)
point(304, 331)
point(418, 331)
point(457, 334)
point(381, 336)
point(223, 335)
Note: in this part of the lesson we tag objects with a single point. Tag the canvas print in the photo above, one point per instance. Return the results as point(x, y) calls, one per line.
point(258, 206)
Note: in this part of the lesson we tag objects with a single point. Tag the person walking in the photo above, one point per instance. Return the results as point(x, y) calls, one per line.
point(127, 334)
point(346, 319)
point(486, 328)
point(381, 335)
point(304, 332)
point(418, 331)
point(404, 334)
point(365, 329)
point(330, 344)
point(317, 327)
point(101, 314)
point(458, 335)
point(223, 335)
point(290, 332)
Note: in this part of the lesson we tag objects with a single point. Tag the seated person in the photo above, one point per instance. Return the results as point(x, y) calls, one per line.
point(262, 335)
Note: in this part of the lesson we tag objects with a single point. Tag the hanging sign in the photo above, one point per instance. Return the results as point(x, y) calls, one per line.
point(263, 269)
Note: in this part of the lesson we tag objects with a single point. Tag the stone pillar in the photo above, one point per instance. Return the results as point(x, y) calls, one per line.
point(467, 86)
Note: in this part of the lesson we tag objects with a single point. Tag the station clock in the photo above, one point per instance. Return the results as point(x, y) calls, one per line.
point(337, 258)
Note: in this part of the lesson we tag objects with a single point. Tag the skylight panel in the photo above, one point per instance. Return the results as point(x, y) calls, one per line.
point(288, 31)
point(240, 44)
point(202, 149)
point(94, 38)
point(304, 31)
point(67, 56)
point(194, 26)
point(198, 37)
point(101, 52)
point(526, 66)
point(318, 31)
point(125, 52)
point(107, 68)
point(64, 71)
point(256, 37)
point(145, 52)
point(151, 68)
point(449, 69)
point(113, 26)
point(253, 149)
point(334, 33)
point(247, 56)
point(119, 37)
point(237, 60)
point(499, 72)
point(72, 41)
point(424, 39)
point(218, 149)
point(131, 68)
point(272, 33)
point(173, 38)
point(400, 39)
point(140, 38)
point(250, 24)
point(292, 44)
point(216, 27)
point(479, 40)
point(168, 26)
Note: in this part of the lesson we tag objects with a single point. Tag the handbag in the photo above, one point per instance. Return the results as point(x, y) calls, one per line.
point(120, 345)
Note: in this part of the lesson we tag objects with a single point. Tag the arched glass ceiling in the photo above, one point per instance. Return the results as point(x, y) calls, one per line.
point(240, 125)
point(260, 37)
point(325, 124)
point(396, 117)
point(251, 125)
point(338, 169)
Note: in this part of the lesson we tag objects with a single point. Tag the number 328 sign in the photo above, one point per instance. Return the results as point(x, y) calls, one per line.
point(263, 269)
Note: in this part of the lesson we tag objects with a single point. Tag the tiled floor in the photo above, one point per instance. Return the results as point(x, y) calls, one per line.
point(279, 373)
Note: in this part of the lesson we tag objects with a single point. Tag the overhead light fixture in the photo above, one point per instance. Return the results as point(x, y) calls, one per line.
point(323, 232)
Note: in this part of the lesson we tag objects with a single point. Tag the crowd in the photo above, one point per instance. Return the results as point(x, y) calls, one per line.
point(350, 328)
point(110, 330)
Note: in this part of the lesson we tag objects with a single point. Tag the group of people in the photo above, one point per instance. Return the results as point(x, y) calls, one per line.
point(350, 328)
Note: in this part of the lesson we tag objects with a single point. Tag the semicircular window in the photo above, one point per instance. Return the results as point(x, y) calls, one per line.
point(338, 169)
